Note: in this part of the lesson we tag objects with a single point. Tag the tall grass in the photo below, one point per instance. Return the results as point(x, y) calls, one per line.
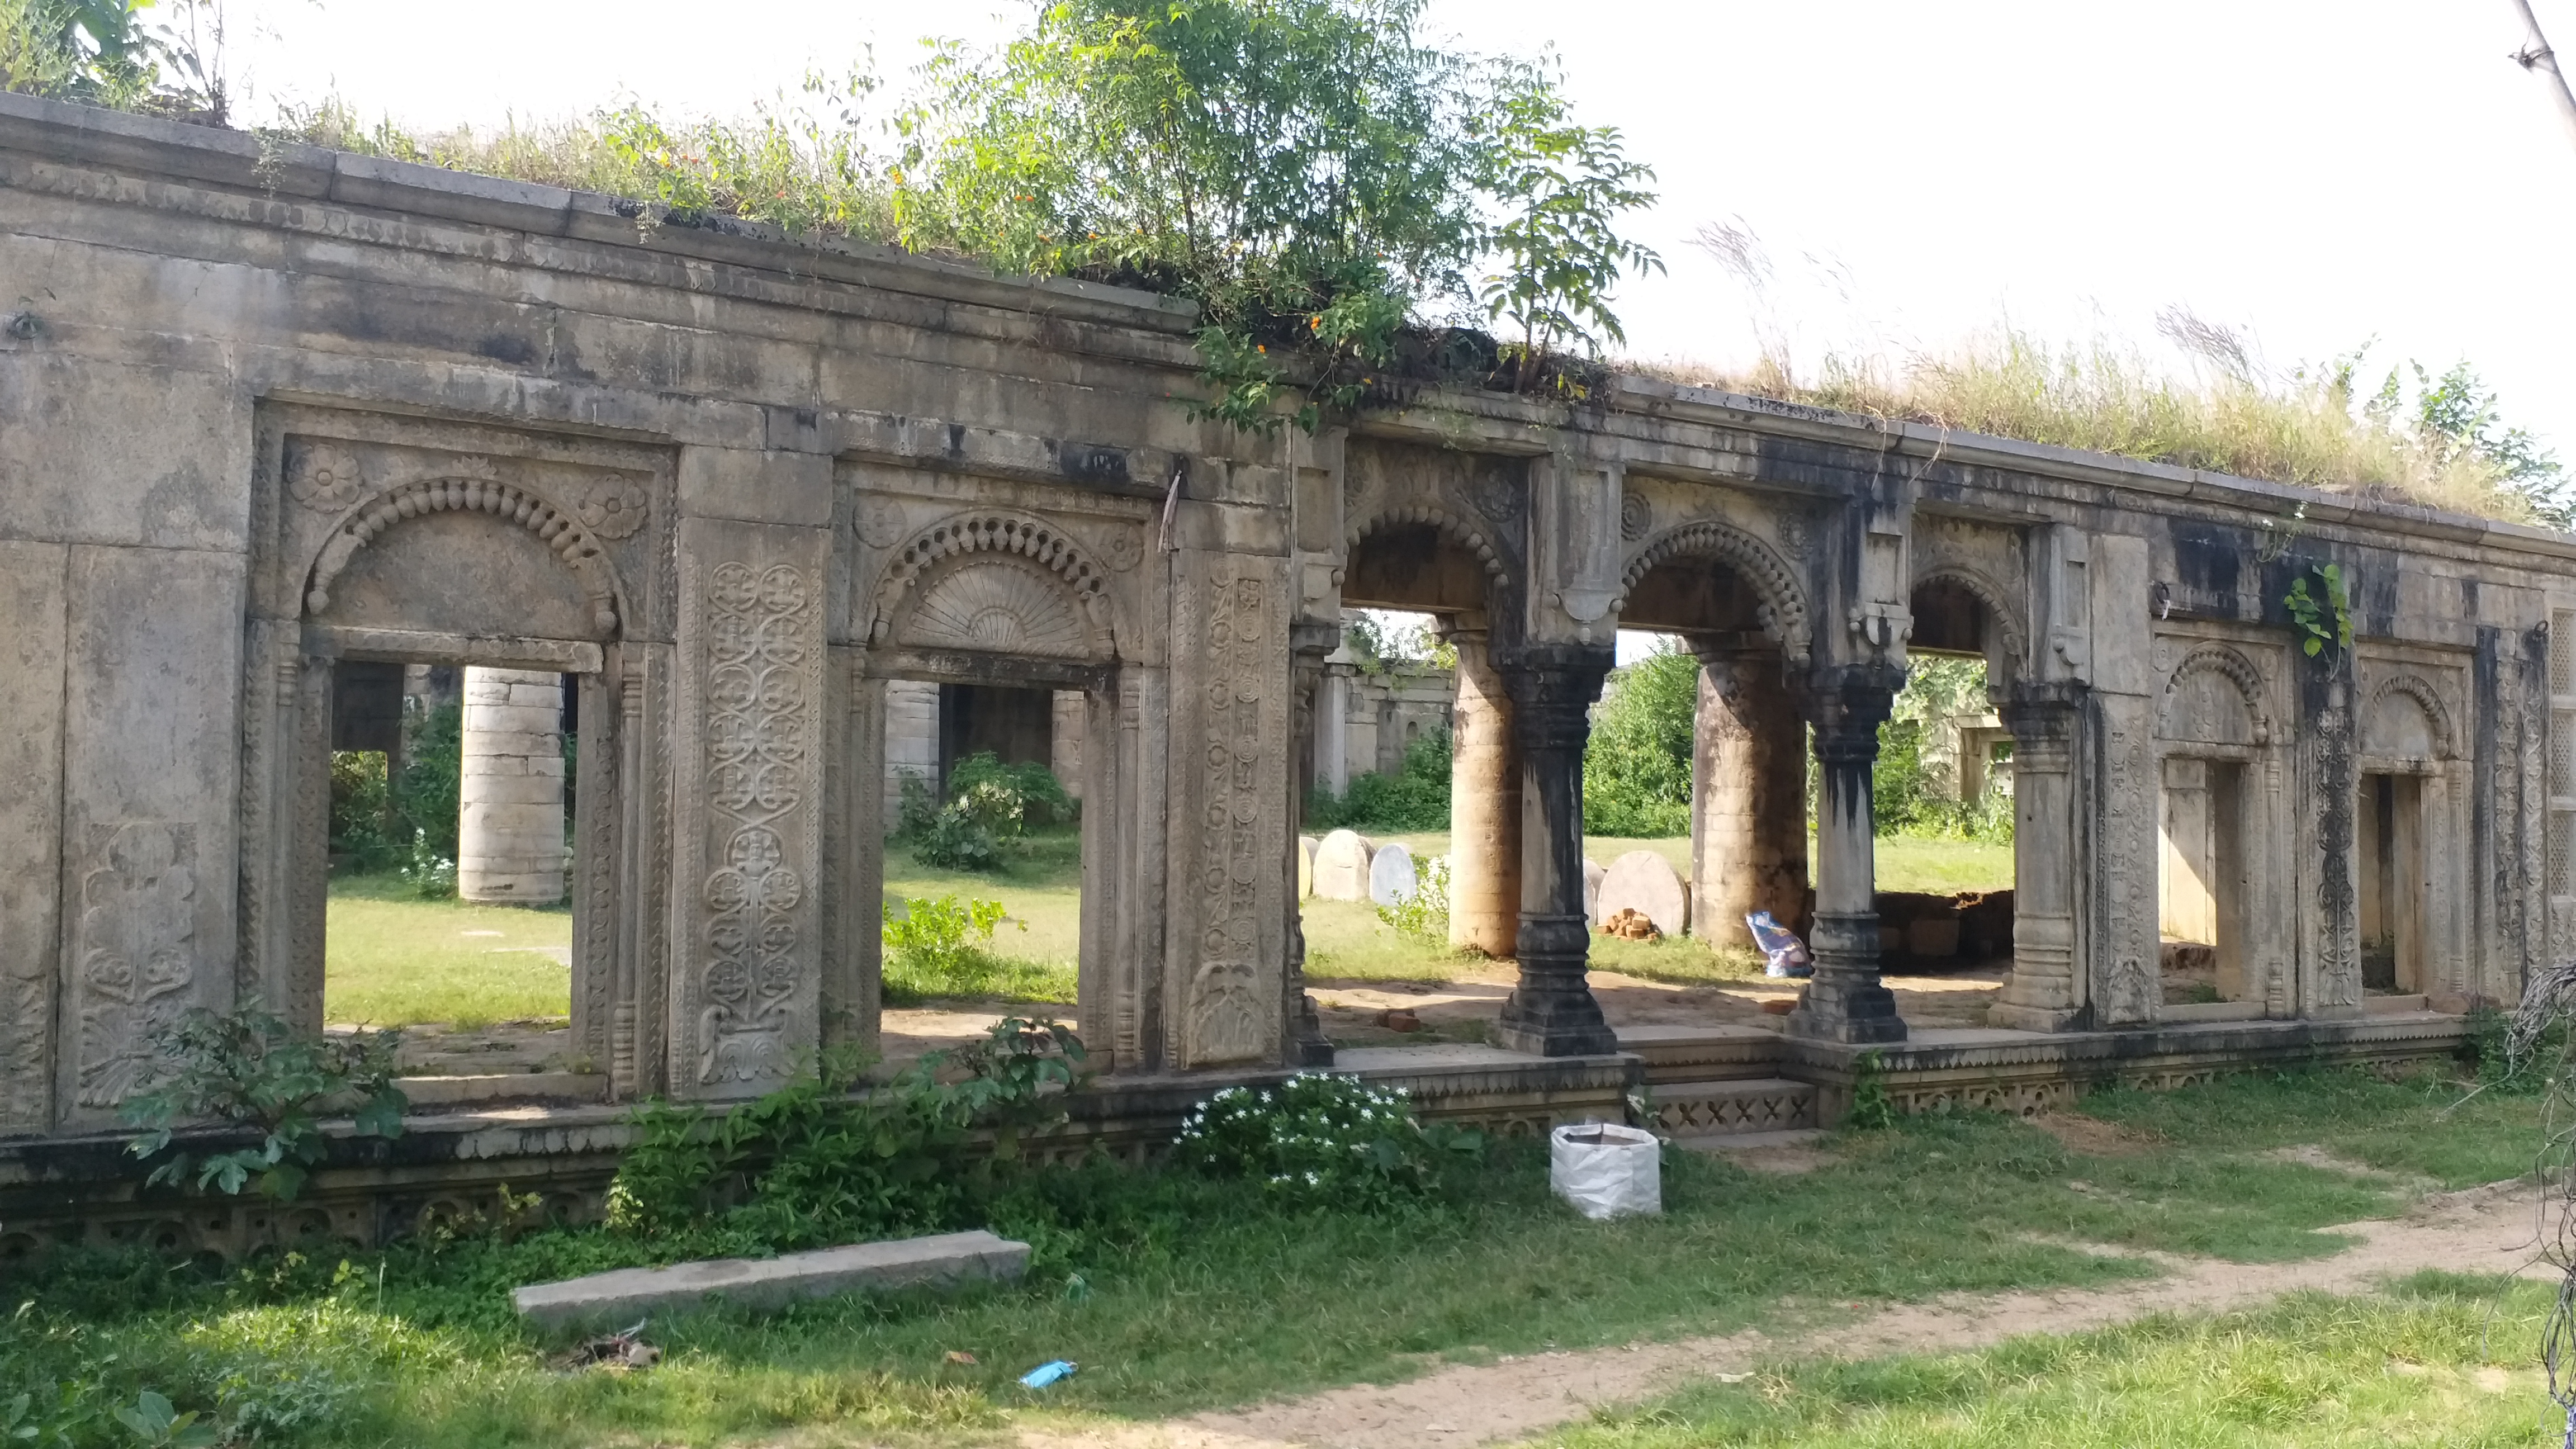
point(2106, 397)
point(790, 165)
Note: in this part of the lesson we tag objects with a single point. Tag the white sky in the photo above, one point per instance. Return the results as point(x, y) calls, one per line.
point(2315, 172)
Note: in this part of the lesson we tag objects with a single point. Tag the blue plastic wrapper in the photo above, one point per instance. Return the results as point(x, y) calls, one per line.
point(1785, 954)
point(1047, 1373)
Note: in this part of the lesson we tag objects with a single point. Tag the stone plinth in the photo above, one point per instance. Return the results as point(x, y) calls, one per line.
point(510, 832)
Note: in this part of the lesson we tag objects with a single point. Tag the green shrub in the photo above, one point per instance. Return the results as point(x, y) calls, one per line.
point(1637, 765)
point(362, 832)
point(941, 947)
point(1424, 915)
point(1414, 798)
point(989, 806)
point(1319, 1141)
point(816, 1162)
point(248, 1068)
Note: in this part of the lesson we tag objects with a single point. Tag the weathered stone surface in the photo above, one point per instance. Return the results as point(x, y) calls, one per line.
point(1644, 882)
point(1307, 845)
point(1593, 873)
point(1392, 877)
point(630, 1293)
point(1342, 866)
point(32, 604)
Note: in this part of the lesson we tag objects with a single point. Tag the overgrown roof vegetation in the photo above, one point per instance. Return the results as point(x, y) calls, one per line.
point(1351, 204)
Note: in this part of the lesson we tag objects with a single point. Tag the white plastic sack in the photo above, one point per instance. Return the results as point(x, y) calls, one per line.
point(1605, 1171)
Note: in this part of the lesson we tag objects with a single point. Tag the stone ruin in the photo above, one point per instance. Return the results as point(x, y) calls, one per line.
point(278, 418)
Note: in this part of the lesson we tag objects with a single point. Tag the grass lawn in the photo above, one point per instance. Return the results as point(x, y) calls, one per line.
point(2440, 1360)
point(1035, 950)
point(393, 959)
point(1176, 1295)
point(1346, 941)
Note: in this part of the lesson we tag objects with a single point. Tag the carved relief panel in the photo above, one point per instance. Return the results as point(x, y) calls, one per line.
point(1230, 737)
point(746, 941)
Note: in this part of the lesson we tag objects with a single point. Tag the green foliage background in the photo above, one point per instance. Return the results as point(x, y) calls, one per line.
point(1637, 768)
point(1414, 798)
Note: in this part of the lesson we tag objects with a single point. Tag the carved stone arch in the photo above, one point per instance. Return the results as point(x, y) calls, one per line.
point(999, 582)
point(2235, 669)
point(557, 528)
point(2001, 607)
point(1782, 603)
point(1473, 538)
point(2436, 714)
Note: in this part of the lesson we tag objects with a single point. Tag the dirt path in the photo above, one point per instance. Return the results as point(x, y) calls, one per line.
point(2483, 1230)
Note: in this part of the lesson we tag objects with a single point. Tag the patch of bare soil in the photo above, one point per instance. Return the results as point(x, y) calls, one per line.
point(2484, 1230)
point(2093, 1137)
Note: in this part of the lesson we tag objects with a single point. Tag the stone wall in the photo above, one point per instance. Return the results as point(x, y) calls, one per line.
point(276, 412)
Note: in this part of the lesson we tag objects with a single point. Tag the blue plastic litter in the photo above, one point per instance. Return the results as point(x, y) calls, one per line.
point(1047, 1373)
point(1783, 952)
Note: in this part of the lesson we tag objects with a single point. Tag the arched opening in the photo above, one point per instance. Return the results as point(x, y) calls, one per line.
point(2211, 739)
point(459, 704)
point(1413, 781)
point(2405, 833)
point(1695, 791)
point(1943, 789)
point(992, 690)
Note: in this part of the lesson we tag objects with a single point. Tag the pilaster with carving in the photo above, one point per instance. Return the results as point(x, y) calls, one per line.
point(747, 923)
point(2045, 991)
point(1551, 1011)
point(1227, 930)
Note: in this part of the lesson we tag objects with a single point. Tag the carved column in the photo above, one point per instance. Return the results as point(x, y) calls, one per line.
point(1309, 642)
point(1330, 757)
point(1844, 1000)
point(1485, 807)
point(1551, 1012)
point(1748, 795)
point(2044, 992)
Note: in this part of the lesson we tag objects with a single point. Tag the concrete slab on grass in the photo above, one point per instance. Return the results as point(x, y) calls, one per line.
point(631, 1293)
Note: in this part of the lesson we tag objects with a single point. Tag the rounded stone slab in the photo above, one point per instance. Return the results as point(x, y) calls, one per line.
point(1392, 877)
point(1643, 882)
point(1593, 871)
point(1342, 866)
point(1306, 865)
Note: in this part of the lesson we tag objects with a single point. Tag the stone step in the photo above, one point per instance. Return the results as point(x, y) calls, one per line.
point(1708, 1109)
point(431, 1094)
point(1681, 1054)
point(609, 1299)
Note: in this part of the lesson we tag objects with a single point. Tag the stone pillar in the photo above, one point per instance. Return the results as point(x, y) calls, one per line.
point(510, 829)
point(1332, 732)
point(1844, 1001)
point(1748, 796)
point(2044, 992)
point(1551, 1012)
point(1311, 695)
point(1485, 808)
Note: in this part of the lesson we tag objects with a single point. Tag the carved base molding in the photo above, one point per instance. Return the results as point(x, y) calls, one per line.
point(452, 1167)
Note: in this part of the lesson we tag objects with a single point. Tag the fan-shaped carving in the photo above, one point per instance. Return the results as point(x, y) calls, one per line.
point(1467, 534)
point(2000, 605)
point(1000, 606)
point(1051, 561)
point(2388, 732)
point(1781, 603)
point(2215, 696)
point(557, 528)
